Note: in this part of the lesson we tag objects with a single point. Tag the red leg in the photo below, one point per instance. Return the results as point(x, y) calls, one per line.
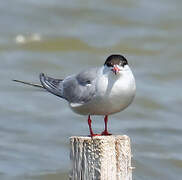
point(90, 127)
point(105, 132)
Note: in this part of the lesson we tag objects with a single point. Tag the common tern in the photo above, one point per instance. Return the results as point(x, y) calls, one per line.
point(103, 90)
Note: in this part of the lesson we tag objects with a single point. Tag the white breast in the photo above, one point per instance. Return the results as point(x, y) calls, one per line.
point(114, 93)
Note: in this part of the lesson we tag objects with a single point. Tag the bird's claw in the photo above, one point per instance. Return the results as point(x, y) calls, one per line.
point(105, 133)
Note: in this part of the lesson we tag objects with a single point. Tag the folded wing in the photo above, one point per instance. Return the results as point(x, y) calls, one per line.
point(52, 85)
point(75, 89)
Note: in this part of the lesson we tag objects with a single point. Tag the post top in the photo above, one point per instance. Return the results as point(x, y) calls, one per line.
point(122, 137)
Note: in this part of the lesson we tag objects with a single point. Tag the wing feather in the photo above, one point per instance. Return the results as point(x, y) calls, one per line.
point(52, 85)
point(76, 89)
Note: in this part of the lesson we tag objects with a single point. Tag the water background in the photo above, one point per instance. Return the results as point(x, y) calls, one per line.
point(64, 37)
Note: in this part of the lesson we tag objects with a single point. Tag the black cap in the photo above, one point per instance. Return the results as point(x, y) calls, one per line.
point(116, 59)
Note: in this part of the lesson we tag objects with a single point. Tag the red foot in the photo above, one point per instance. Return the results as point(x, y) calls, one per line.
point(105, 133)
point(90, 128)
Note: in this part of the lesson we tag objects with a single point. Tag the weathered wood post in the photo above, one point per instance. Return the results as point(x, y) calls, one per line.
point(101, 158)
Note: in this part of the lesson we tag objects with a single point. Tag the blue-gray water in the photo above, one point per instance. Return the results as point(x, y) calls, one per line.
point(64, 37)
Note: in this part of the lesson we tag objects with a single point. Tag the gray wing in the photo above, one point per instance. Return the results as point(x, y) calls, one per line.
point(75, 89)
point(52, 85)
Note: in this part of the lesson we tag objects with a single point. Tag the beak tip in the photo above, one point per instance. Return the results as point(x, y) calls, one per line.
point(115, 70)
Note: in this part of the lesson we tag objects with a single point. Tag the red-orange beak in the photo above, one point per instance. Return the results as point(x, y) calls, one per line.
point(115, 70)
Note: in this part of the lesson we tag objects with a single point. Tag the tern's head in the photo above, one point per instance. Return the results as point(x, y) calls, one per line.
point(116, 63)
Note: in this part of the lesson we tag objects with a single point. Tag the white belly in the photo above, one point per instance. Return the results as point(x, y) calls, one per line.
point(113, 95)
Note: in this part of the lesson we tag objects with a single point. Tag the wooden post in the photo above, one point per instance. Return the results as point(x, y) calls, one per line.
point(101, 158)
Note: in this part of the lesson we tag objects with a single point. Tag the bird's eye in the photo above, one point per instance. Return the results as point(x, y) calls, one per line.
point(124, 63)
point(109, 65)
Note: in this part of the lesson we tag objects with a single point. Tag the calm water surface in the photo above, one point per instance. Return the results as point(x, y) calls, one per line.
point(64, 37)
